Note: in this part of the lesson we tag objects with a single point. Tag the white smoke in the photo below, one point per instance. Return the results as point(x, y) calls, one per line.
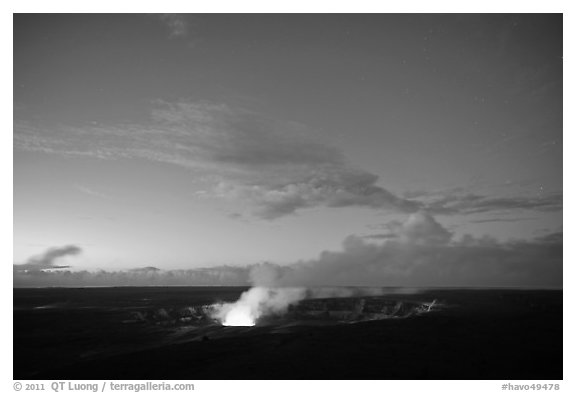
point(257, 302)
point(269, 297)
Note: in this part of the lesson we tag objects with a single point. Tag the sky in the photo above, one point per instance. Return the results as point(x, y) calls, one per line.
point(186, 141)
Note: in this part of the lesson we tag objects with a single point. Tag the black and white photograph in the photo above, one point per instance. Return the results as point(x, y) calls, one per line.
point(288, 196)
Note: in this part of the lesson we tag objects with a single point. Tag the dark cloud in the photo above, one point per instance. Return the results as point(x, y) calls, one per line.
point(497, 219)
point(381, 236)
point(552, 238)
point(48, 258)
point(147, 269)
point(473, 203)
point(335, 187)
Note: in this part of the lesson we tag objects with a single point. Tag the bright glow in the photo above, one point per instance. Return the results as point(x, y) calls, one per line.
point(255, 303)
point(239, 316)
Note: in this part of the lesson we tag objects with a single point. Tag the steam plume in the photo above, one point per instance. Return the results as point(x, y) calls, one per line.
point(256, 302)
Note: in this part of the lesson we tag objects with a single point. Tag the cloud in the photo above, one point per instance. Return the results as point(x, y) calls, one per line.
point(336, 187)
point(280, 167)
point(91, 192)
point(380, 236)
point(239, 137)
point(48, 258)
point(422, 253)
point(419, 228)
point(422, 229)
point(222, 275)
point(470, 203)
point(552, 238)
point(496, 219)
point(177, 24)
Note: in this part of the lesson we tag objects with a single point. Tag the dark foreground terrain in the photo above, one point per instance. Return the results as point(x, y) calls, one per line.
point(162, 333)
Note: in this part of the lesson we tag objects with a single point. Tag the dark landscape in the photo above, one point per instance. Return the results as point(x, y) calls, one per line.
point(288, 196)
point(162, 333)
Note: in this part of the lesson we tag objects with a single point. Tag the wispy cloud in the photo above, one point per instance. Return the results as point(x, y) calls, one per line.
point(497, 219)
point(91, 192)
point(474, 203)
point(462, 200)
point(177, 24)
point(279, 166)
